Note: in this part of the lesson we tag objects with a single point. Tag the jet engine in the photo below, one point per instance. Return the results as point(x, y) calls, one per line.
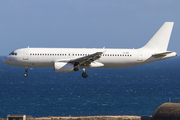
point(64, 67)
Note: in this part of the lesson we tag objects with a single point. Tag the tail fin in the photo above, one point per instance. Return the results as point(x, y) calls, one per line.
point(160, 40)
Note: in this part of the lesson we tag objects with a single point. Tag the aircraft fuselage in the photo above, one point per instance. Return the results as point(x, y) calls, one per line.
point(111, 58)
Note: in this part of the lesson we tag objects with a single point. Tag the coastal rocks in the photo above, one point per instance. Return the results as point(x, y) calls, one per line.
point(124, 117)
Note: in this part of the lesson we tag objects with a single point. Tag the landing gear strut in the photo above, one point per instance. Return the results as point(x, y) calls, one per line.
point(26, 70)
point(84, 74)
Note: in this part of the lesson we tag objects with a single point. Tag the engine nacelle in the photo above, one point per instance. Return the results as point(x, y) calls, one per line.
point(64, 67)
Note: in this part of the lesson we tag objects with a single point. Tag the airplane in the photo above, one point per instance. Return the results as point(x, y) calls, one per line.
point(73, 59)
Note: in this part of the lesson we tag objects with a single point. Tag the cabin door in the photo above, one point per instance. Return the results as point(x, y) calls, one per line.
point(25, 54)
point(139, 55)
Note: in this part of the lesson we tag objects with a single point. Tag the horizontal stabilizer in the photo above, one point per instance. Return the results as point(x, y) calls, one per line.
point(161, 54)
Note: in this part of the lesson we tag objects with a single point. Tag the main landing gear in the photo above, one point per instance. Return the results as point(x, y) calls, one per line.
point(26, 70)
point(84, 74)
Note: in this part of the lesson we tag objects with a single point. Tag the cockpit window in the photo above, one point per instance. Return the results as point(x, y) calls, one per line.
point(13, 53)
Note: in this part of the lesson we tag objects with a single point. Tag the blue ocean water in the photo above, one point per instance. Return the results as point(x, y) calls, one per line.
point(137, 90)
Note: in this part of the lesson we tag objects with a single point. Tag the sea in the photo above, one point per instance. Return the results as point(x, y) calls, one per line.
point(136, 90)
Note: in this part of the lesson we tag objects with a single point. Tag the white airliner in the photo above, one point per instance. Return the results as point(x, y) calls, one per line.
point(73, 59)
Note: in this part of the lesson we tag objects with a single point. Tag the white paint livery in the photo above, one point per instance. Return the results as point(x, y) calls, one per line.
point(71, 59)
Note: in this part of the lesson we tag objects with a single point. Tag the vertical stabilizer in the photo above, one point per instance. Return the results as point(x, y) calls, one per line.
point(161, 38)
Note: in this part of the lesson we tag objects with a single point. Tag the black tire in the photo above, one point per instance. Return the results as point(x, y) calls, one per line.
point(84, 75)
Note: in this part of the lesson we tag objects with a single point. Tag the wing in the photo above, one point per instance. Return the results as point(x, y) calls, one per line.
point(86, 60)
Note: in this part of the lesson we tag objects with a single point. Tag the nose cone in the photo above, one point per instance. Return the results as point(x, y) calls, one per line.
point(4, 60)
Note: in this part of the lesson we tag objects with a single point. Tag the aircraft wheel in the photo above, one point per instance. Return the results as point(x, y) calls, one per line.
point(84, 75)
point(25, 74)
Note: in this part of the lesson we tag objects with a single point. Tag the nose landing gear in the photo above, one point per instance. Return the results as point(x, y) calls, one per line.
point(26, 70)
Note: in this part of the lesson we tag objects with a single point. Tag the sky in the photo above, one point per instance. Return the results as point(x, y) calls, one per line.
point(85, 23)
